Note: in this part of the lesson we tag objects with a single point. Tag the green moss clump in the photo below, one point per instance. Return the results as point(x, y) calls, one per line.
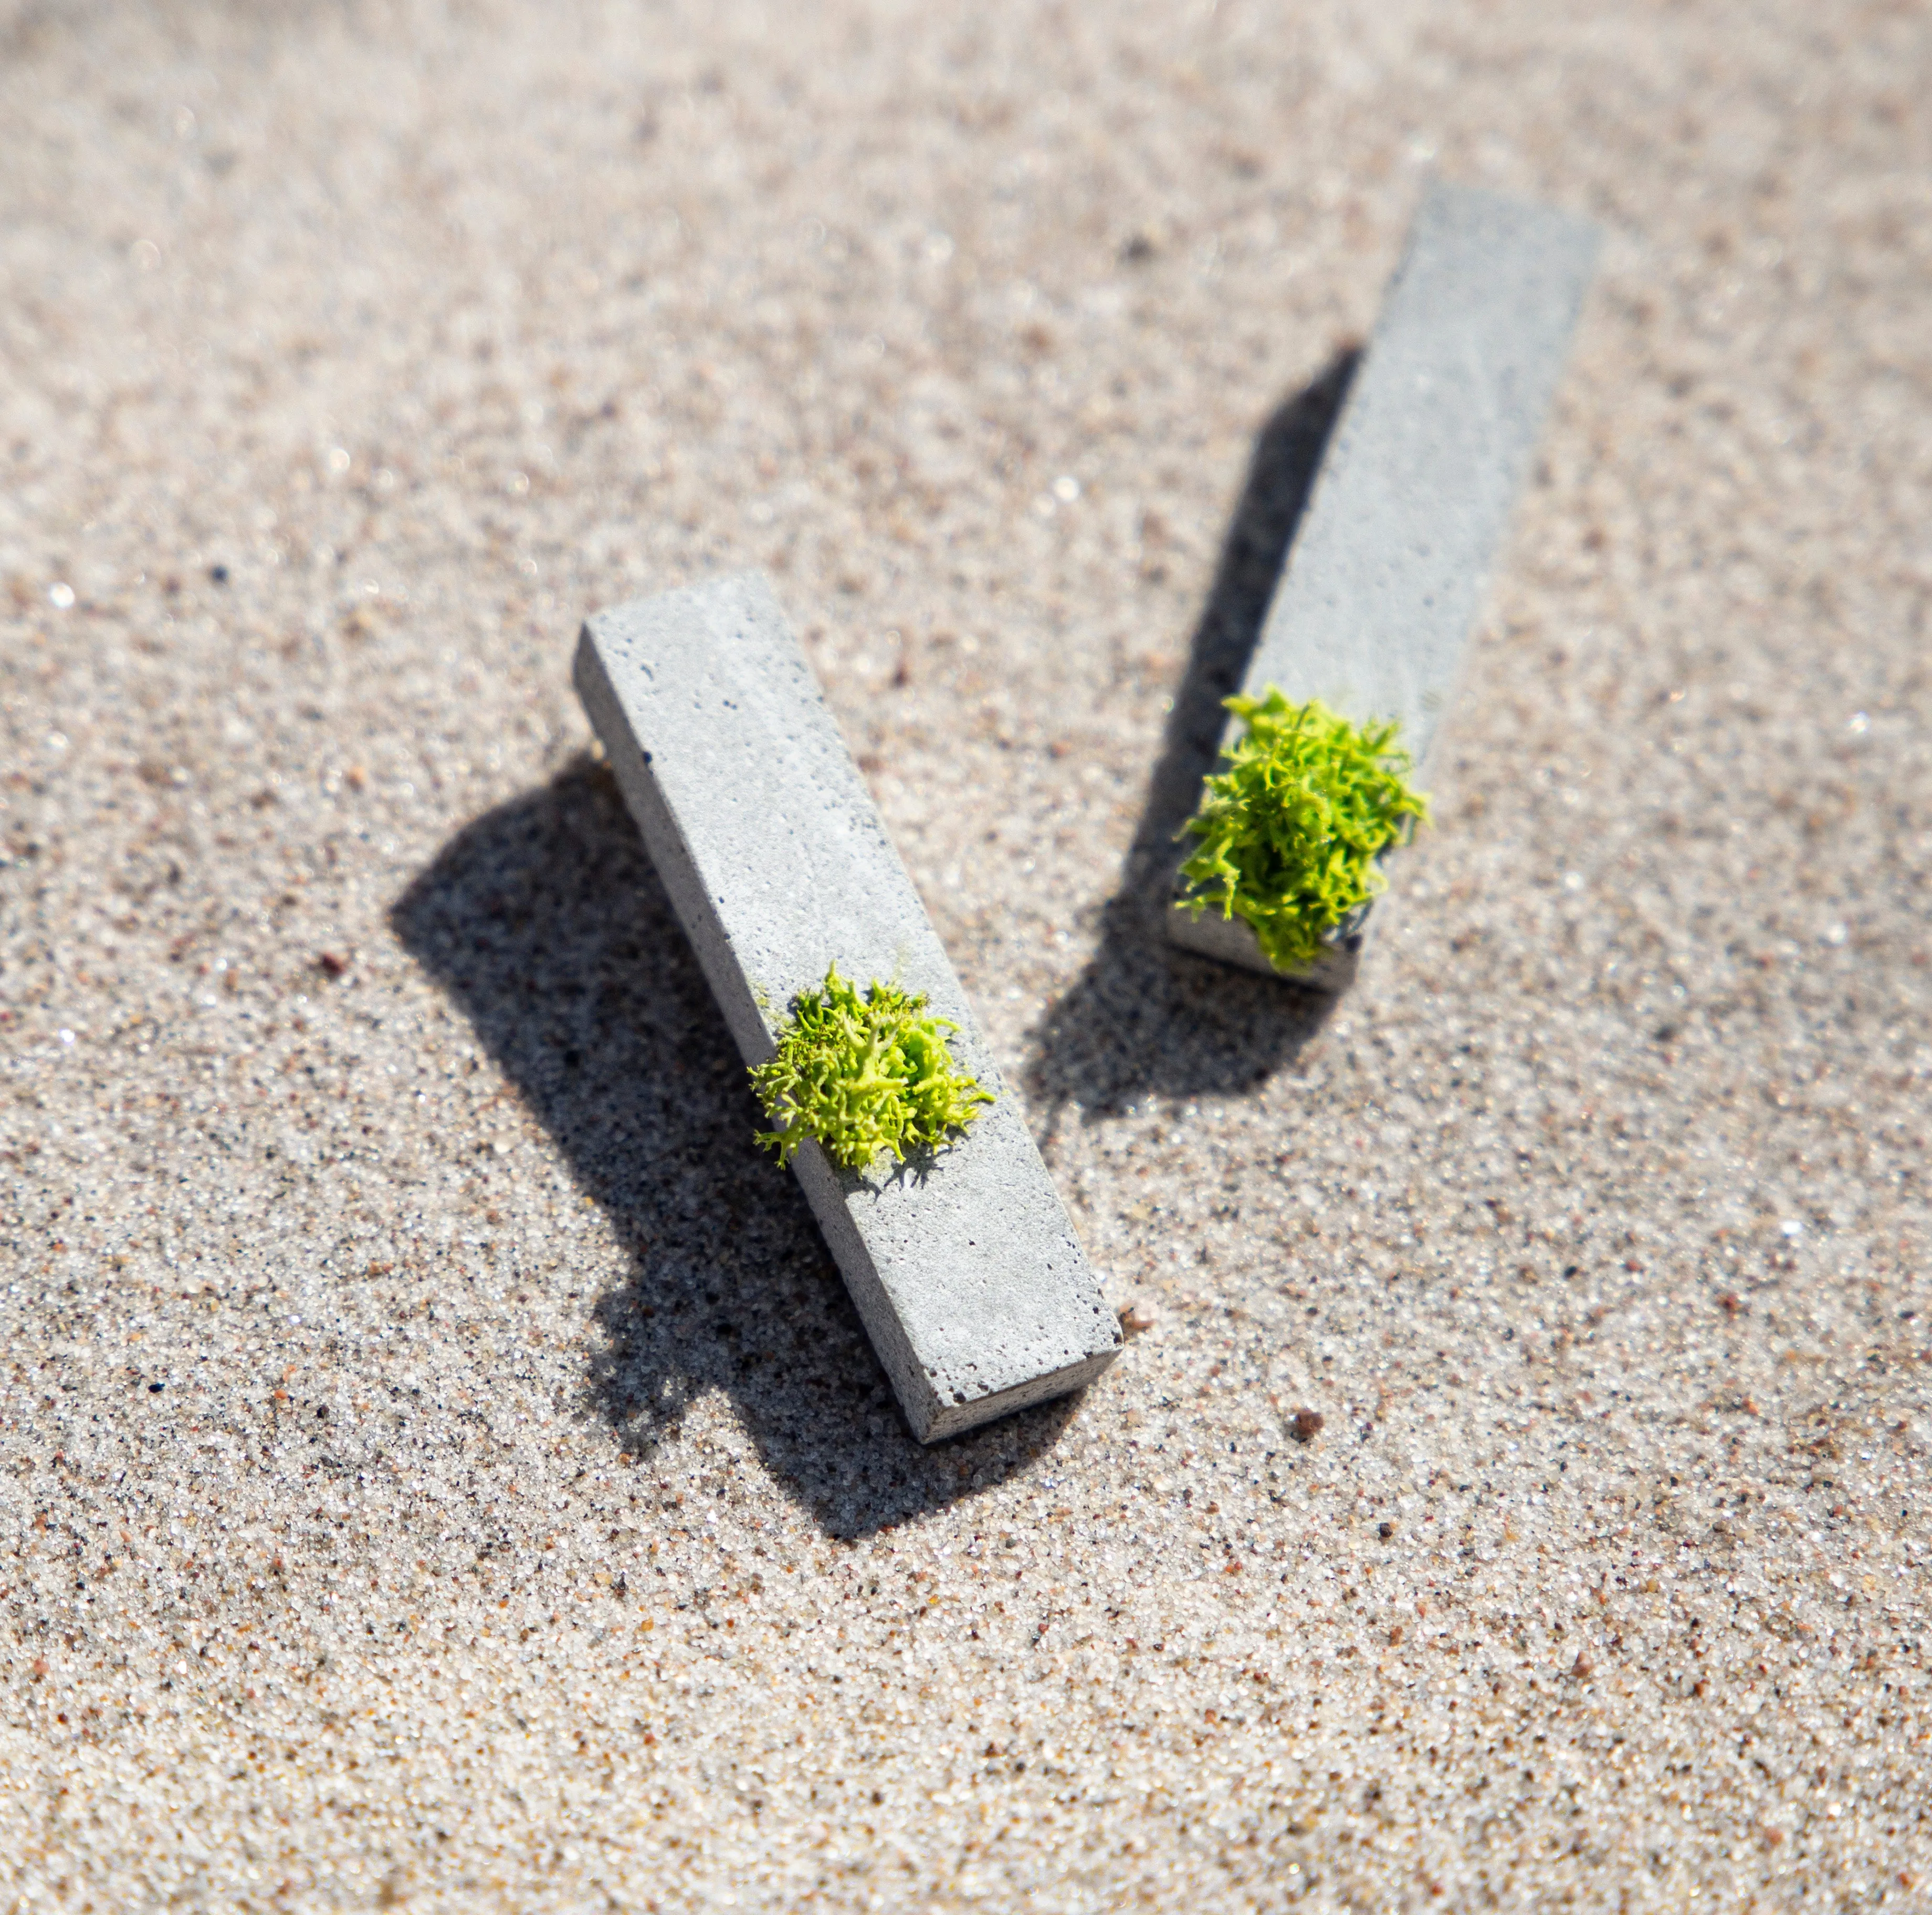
point(863, 1076)
point(1290, 826)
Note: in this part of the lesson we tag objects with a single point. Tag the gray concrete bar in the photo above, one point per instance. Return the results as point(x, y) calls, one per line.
point(976, 1296)
point(1389, 569)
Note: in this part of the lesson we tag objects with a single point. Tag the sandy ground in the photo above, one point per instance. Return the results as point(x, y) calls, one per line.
point(440, 1470)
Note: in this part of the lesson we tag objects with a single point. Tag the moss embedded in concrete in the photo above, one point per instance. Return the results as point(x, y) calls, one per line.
point(1290, 826)
point(863, 1076)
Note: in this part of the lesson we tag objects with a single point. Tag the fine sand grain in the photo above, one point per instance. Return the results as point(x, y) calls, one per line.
point(438, 1468)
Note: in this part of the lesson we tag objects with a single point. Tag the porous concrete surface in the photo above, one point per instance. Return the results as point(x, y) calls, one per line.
point(769, 849)
point(351, 355)
point(1409, 511)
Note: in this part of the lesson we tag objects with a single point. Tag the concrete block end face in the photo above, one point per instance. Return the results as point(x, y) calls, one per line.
point(1391, 565)
point(1232, 941)
point(964, 1268)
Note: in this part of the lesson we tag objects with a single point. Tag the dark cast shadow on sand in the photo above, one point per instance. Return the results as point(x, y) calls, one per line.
point(546, 923)
point(1144, 1018)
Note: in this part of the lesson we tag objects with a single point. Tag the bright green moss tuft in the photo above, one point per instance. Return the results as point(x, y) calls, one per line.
point(863, 1076)
point(1290, 826)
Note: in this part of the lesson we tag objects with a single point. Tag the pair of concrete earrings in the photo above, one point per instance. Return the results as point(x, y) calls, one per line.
point(963, 1264)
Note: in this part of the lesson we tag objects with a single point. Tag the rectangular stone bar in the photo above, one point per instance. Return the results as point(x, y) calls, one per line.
point(976, 1295)
point(1390, 566)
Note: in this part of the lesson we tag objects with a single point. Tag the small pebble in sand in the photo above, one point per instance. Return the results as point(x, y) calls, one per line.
point(1304, 1424)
